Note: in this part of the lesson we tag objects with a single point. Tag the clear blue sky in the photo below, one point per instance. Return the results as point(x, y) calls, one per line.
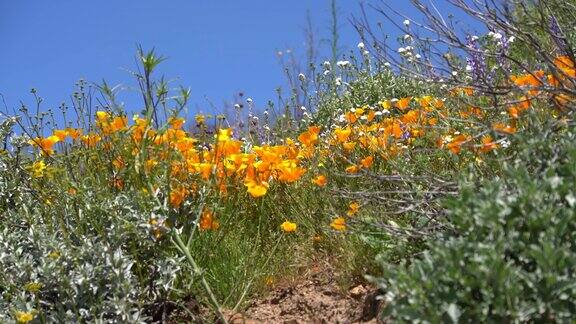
point(215, 47)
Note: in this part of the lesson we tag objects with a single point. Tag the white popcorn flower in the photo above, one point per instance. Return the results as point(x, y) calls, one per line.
point(418, 56)
point(401, 50)
point(366, 53)
point(511, 39)
point(454, 73)
point(468, 68)
point(494, 35)
point(237, 106)
point(338, 81)
point(406, 22)
point(327, 72)
point(326, 65)
point(302, 77)
point(408, 38)
point(303, 108)
point(387, 64)
point(343, 64)
point(361, 46)
point(249, 100)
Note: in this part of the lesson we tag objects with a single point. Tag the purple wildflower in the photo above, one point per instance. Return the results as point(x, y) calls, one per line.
point(503, 46)
point(557, 35)
point(476, 62)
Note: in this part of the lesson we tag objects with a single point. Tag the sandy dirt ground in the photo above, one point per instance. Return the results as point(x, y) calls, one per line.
point(316, 298)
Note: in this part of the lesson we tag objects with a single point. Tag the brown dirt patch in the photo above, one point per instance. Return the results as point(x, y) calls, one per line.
point(314, 299)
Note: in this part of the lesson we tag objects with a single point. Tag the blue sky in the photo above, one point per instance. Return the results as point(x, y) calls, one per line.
point(215, 47)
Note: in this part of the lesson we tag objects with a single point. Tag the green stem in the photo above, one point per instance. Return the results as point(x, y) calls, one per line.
point(252, 280)
point(200, 273)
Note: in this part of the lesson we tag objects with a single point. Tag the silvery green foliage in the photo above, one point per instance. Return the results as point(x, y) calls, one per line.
point(513, 256)
point(83, 283)
point(86, 270)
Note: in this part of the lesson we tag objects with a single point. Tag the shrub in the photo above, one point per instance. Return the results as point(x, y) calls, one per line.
point(511, 257)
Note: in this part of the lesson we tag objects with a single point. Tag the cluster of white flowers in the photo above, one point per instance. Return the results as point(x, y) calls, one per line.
point(499, 38)
point(362, 47)
point(408, 53)
point(495, 35)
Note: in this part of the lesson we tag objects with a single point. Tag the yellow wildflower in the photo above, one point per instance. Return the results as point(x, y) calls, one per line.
point(54, 254)
point(353, 208)
point(38, 169)
point(288, 227)
point(200, 119)
point(102, 116)
point(339, 224)
point(33, 287)
point(256, 189)
point(24, 317)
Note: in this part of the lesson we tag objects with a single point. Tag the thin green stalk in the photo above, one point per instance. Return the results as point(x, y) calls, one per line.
point(252, 280)
point(198, 271)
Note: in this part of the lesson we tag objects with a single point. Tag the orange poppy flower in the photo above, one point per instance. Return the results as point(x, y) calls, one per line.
point(320, 181)
point(403, 103)
point(339, 224)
